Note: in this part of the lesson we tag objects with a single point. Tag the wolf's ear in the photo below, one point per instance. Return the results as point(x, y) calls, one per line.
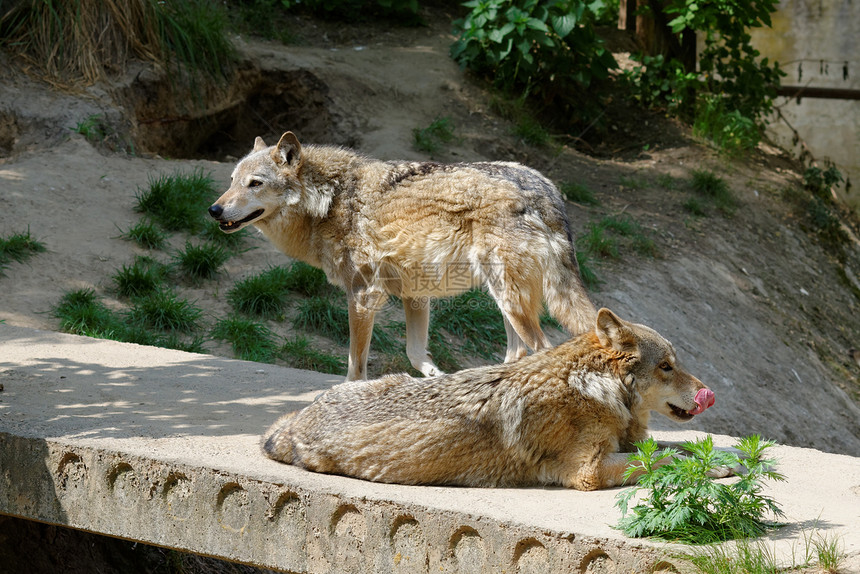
point(614, 332)
point(259, 144)
point(288, 151)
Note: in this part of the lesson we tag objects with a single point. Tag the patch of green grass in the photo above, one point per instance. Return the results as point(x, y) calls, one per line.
point(306, 280)
point(195, 32)
point(163, 310)
point(667, 182)
point(201, 261)
point(634, 182)
point(82, 313)
point(320, 315)
point(212, 234)
point(578, 193)
point(262, 295)
point(595, 242)
point(626, 226)
point(251, 341)
point(586, 270)
point(178, 201)
point(531, 131)
point(144, 276)
point(18, 247)
point(752, 556)
point(714, 188)
point(473, 318)
point(263, 18)
point(298, 353)
point(93, 128)
point(695, 206)
point(829, 552)
point(88, 41)
point(146, 234)
point(434, 136)
point(682, 504)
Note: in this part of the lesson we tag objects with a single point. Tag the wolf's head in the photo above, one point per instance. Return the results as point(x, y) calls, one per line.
point(266, 181)
point(651, 368)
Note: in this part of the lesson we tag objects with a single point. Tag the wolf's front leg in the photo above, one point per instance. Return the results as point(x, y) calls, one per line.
point(361, 316)
point(417, 323)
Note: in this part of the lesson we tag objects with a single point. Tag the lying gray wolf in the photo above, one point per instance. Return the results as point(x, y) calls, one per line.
point(563, 416)
point(415, 230)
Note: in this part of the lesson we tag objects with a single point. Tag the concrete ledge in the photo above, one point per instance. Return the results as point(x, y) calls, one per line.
point(162, 447)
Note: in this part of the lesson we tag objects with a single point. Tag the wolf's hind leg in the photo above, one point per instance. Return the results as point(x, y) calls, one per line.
point(417, 323)
point(516, 347)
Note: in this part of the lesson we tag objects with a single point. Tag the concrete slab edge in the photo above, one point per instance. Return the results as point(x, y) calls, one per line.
point(282, 526)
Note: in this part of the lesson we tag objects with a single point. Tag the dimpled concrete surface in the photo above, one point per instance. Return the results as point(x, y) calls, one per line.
point(162, 446)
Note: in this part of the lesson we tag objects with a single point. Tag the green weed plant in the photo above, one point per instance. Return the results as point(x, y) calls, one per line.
point(681, 503)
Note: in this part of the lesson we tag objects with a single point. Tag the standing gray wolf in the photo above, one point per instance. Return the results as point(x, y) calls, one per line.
point(415, 230)
point(563, 416)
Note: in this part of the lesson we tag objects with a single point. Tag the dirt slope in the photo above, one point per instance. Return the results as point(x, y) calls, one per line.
point(755, 306)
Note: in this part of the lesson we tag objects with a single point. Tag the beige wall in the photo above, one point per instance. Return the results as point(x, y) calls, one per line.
point(804, 33)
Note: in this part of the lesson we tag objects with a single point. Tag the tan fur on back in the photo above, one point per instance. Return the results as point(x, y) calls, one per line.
point(415, 230)
point(560, 416)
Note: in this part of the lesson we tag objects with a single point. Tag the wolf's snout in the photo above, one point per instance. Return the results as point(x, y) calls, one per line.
point(704, 399)
point(216, 211)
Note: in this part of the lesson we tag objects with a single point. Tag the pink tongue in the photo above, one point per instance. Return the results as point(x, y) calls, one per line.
point(704, 399)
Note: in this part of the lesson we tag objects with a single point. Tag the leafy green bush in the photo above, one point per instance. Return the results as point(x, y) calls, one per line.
point(733, 86)
point(730, 130)
point(683, 504)
point(541, 47)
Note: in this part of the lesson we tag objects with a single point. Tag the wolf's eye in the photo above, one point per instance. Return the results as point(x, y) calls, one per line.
point(665, 366)
point(255, 183)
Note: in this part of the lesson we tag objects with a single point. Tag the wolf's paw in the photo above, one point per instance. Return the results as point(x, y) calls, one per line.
point(432, 371)
point(724, 471)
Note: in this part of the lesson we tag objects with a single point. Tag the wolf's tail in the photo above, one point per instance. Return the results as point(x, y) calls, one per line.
point(565, 295)
point(278, 442)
